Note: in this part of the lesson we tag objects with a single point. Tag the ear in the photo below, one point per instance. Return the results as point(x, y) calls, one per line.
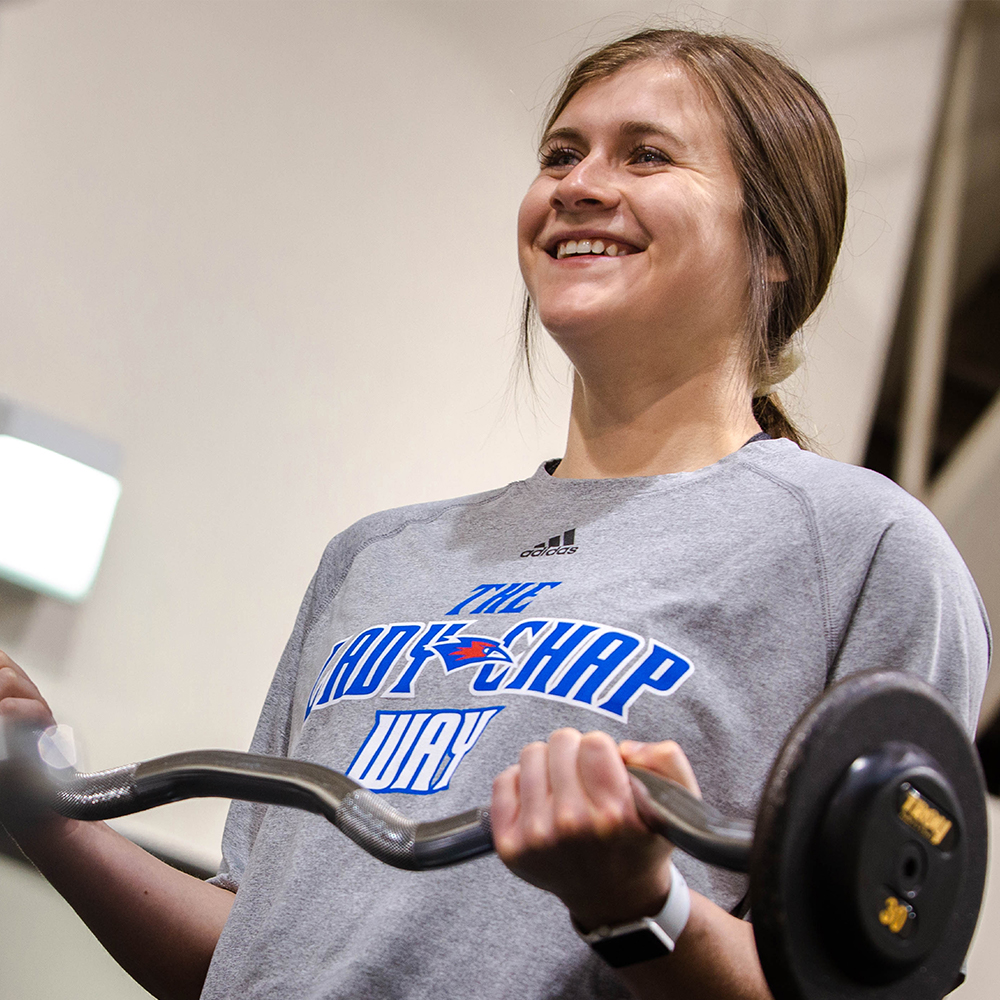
point(775, 269)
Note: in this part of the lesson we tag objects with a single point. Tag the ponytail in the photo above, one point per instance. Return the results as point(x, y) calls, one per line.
point(769, 413)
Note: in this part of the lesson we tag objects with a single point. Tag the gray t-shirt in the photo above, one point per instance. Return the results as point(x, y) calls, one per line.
point(435, 641)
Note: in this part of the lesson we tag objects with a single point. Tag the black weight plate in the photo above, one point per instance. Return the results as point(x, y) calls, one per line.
point(894, 851)
point(800, 954)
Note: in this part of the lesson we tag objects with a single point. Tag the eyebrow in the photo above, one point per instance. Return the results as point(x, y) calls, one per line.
point(626, 130)
point(651, 128)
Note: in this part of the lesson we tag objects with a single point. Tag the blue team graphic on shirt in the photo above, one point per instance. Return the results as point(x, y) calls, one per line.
point(584, 664)
point(418, 752)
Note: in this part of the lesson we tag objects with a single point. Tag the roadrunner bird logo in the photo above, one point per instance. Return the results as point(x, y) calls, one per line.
point(468, 650)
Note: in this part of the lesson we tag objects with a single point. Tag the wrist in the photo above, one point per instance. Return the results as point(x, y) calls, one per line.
point(646, 899)
point(49, 838)
point(648, 938)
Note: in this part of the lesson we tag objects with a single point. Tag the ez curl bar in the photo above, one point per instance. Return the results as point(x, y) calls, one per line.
point(867, 860)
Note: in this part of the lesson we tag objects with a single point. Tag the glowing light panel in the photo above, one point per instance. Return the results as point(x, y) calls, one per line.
point(55, 514)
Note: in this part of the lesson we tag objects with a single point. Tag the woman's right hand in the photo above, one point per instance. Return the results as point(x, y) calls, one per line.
point(21, 701)
point(161, 924)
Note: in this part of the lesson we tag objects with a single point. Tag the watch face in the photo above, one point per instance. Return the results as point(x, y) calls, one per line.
point(640, 945)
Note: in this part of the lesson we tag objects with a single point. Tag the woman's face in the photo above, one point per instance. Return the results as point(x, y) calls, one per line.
point(633, 227)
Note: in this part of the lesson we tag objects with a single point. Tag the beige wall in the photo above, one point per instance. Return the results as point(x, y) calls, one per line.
point(268, 248)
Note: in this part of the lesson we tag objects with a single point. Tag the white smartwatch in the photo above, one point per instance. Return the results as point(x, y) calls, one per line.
point(648, 938)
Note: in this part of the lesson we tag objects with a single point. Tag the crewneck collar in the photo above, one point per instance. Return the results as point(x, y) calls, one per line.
point(547, 469)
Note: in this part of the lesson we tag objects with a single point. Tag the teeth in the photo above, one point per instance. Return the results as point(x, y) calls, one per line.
point(596, 247)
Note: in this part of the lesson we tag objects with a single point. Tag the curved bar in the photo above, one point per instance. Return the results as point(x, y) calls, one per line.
point(691, 824)
point(369, 821)
point(279, 781)
point(459, 838)
point(365, 817)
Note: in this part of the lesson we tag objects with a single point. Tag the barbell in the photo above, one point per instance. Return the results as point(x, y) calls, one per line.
point(867, 859)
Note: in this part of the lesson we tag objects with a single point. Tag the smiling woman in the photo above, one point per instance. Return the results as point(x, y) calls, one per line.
point(736, 136)
point(705, 580)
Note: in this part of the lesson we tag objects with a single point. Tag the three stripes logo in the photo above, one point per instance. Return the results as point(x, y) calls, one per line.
point(564, 545)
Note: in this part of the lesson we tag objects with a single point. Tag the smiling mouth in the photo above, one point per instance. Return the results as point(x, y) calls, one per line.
point(592, 248)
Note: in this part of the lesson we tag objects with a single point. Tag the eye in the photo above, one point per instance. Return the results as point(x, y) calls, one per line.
point(649, 155)
point(559, 156)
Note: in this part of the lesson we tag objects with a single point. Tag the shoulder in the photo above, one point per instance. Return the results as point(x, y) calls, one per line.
point(899, 591)
point(870, 532)
point(839, 497)
point(856, 520)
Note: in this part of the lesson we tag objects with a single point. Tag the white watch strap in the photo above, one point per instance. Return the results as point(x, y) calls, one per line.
point(673, 918)
point(665, 927)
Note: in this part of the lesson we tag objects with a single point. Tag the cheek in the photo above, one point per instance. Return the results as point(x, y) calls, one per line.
point(726, 231)
point(532, 214)
point(706, 236)
point(730, 247)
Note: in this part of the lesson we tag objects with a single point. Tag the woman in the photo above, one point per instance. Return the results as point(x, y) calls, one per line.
point(704, 578)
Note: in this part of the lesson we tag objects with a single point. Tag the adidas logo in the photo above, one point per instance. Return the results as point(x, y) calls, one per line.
point(564, 545)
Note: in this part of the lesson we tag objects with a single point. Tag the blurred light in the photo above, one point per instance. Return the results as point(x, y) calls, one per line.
point(57, 499)
point(57, 747)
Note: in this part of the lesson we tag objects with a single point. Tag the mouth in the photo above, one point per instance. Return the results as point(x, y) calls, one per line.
point(591, 246)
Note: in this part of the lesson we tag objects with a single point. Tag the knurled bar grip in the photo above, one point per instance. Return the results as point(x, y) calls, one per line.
point(368, 820)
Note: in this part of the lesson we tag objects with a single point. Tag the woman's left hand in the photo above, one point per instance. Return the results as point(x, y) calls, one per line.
point(564, 820)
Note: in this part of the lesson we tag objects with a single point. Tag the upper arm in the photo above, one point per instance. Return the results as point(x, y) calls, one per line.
point(271, 737)
point(918, 610)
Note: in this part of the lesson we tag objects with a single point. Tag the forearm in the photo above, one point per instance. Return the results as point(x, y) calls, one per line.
point(159, 924)
point(715, 959)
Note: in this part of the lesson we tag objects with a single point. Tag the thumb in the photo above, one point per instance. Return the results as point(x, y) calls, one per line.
point(666, 759)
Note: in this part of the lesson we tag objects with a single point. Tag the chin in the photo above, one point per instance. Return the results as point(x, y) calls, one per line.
point(568, 328)
point(573, 316)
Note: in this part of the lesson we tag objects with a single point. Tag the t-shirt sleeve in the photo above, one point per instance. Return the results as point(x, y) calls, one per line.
point(919, 611)
point(274, 727)
point(271, 737)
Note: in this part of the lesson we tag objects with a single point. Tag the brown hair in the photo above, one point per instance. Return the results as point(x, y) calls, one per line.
point(787, 154)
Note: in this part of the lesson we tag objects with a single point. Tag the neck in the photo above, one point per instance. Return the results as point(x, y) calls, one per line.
point(650, 428)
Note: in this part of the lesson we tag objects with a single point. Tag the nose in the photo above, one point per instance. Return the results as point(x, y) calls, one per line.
point(587, 187)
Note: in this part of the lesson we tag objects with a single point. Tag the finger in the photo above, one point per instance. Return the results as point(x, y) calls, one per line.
point(535, 813)
point(14, 682)
point(11, 673)
point(504, 810)
point(27, 710)
point(570, 807)
point(14, 685)
point(605, 780)
point(666, 759)
point(11, 680)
